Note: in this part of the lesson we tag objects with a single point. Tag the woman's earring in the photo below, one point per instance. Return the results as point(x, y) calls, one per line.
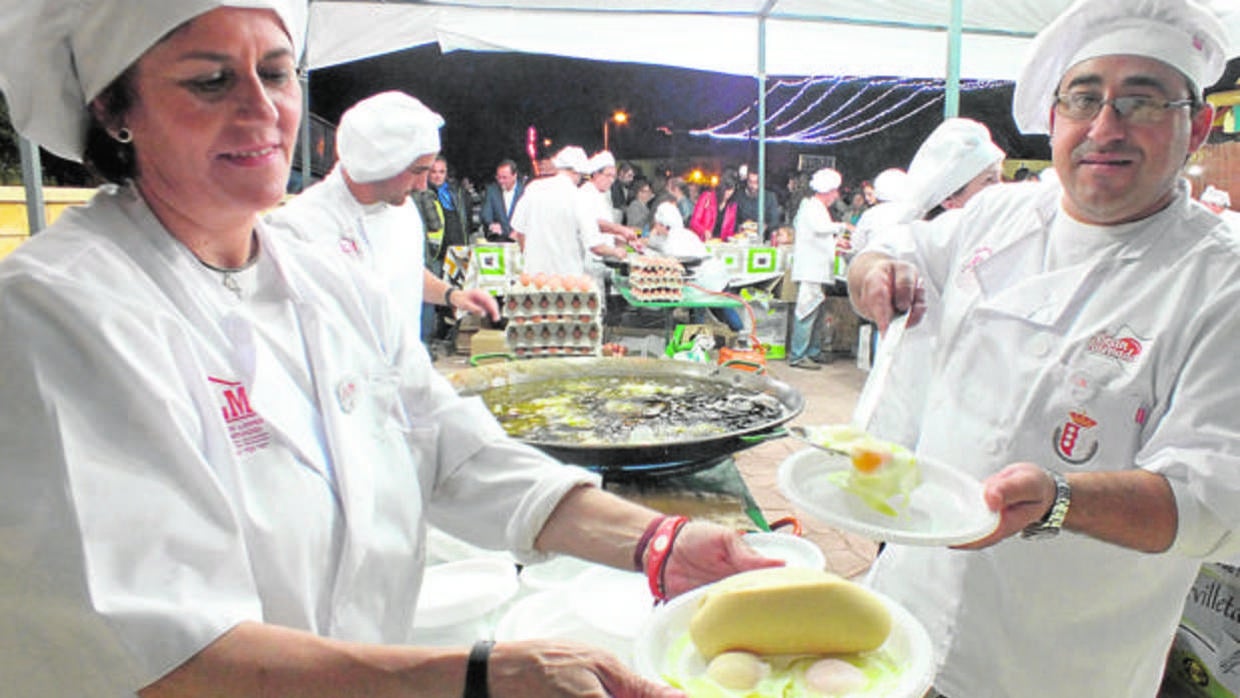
point(124, 135)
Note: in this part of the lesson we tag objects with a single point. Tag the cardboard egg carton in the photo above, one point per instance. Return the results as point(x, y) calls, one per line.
point(555, 338)
point(531, 305)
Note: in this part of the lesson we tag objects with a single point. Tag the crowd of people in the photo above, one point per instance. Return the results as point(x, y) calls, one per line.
point(223, 442)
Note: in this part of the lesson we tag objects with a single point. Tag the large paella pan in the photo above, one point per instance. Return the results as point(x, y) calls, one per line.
point(617, 412)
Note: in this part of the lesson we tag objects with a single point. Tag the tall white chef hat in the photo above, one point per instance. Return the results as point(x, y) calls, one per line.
point(1214, 195)
point(600, 160)
point(1180, 33)
point(955, 152)
point(825, 180)
point(382, 135)
point(58, 55)
point(572, 158)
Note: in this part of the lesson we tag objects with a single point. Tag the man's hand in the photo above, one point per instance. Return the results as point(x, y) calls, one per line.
point(881, 288)
point(477, 302)
point(1021, 494)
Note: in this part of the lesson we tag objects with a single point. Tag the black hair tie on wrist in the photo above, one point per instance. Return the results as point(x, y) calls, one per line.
point(476, 670)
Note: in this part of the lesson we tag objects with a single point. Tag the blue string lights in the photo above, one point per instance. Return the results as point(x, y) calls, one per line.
point(873, 105)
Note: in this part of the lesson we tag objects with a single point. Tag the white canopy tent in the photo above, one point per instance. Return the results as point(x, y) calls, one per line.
point(941, 39)
point(938, 39)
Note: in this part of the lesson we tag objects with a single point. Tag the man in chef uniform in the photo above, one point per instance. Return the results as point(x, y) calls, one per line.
point(385, 145)
point(813, 267)
point(1085, 370)
point(545, 221)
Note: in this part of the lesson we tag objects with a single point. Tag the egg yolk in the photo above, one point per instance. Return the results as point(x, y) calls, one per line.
point(867, 460)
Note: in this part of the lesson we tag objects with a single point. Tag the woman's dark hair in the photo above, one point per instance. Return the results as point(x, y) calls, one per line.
point(106, 157)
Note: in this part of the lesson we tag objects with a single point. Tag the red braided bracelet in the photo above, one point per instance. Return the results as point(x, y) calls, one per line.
point(660, 550)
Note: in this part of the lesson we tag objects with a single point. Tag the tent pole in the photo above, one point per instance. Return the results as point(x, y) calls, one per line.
point(305, 130)
point(761, 123)
point(32, 176)
point(951, 104)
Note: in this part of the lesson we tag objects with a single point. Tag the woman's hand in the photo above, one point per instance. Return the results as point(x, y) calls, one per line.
point(706, 552)
point(553, 669)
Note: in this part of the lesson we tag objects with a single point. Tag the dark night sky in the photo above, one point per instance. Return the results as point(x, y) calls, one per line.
point(489, 99)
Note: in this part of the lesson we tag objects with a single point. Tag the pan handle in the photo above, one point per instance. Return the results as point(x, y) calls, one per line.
point(753, 439)
point(745, 365)
point(476, 359)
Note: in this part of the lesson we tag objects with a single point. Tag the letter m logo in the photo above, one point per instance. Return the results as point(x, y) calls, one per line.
point(235, 403)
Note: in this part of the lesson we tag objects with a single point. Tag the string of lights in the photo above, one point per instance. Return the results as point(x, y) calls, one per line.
point(795, 108)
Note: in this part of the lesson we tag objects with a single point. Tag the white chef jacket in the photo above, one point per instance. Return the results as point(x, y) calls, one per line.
point(388, 241)
point(160, 469)
point(903, 398)
point(592, 206)
point(1125, 362)
point(813, 253)
point(547, 215)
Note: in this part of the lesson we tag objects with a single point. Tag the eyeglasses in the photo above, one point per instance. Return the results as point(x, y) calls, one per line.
point(1134, 109)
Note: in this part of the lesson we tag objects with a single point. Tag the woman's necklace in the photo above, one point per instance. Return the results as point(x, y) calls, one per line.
point(228, 275)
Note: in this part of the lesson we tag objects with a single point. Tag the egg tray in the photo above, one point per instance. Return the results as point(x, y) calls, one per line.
point(526, 306)
point(566, 338)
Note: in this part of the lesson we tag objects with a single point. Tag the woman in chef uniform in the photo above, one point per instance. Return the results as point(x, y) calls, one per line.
point(220, 448)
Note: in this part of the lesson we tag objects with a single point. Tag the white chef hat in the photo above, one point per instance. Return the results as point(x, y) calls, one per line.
point(1181, 33)
point(58, 55)
point(668, 214)
point(600, 160)
point(382, 135)
point(825, 180)
point(1214, 195)
point(571, 158)
point(891, 184)
point(951, 156)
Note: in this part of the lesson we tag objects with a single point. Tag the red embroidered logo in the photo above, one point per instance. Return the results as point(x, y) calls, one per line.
point(350, 247)
point(1126, 349)
point(246, 428)
point(967, 279)
point(1074, 440)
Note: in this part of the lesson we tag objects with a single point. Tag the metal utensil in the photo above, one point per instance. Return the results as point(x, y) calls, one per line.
point(867, 402)
point(802, 435)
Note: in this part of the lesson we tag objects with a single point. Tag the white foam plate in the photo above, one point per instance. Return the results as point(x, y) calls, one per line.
point(461, 591)
point(793, 550)
point(945, 509)
point(544, 616)
point(908, 645)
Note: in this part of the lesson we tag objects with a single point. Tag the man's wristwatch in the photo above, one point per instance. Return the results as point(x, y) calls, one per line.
point(1049, 525)
point(447, 296)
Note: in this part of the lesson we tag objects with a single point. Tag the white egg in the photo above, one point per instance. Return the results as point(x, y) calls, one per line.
point(739, 671)
point(834, 677)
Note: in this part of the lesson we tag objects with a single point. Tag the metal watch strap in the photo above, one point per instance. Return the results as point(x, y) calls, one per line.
point(476, 670)
point(1052, 522)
